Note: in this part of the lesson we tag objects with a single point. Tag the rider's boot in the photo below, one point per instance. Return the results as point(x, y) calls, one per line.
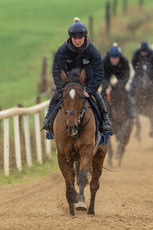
point(107, 126)
point(55, 96)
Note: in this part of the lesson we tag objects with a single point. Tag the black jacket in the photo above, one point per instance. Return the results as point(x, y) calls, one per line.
point(68, 57)
point(121, 71)
point(139, 61)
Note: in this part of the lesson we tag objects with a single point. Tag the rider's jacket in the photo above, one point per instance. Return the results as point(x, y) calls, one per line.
point(121, 71)
point(69, 57)
point(142, 64)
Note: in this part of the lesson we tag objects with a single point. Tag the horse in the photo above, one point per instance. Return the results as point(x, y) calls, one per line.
point(122, 124)
point(74, 133)
point(142, 95)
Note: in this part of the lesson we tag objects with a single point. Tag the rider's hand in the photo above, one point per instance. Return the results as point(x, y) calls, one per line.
point(108, 90)
point(86, 94)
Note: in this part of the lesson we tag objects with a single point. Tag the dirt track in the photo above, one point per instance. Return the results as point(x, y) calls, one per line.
point(124, 201)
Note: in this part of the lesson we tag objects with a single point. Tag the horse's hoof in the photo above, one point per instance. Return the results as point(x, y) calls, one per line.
point(91, 212)
point(117, 156)
point(81, 206)
point(72, 214)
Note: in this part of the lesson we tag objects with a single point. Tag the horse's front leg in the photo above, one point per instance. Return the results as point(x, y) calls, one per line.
point(66, 167)
point(86, 155)
point(124, 138)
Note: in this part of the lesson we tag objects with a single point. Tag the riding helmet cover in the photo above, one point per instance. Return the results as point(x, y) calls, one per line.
point(115, 51)
point(77, 29)
point(144, 46)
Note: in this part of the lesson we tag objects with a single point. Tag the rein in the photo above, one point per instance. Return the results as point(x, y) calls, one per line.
point(72, 112)
point(82, 111)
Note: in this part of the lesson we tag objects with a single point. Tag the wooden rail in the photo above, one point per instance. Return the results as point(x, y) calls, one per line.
point(25, 112)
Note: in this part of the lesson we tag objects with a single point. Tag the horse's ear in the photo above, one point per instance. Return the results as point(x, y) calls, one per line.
point(82, 76)
point(64, 77)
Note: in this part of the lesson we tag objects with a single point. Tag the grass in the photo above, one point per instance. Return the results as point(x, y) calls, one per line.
point(31, 30)
point(128, 31)
point(29, 174)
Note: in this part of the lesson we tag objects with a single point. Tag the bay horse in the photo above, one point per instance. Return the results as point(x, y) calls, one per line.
point(74, 133)
point(142, 95)
point(122, 124)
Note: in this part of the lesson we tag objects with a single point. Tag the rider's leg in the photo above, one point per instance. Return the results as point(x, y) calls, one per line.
point(102, 107)
point(55, 96)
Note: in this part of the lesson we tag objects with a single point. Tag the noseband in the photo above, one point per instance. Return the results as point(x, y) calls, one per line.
point(72, 112)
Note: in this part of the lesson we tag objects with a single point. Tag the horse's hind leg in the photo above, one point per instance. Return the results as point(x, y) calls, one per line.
point(68, 174)
point(151, 127)
point(110, 154)
point(138, 126)
point(97, 165)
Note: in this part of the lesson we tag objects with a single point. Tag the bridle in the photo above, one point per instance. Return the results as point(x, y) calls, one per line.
point(72, 112)
point(82, 111)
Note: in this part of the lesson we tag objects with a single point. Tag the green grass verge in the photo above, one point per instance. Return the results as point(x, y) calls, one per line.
point(31, 30)
point(128, 31)
point(29, 174)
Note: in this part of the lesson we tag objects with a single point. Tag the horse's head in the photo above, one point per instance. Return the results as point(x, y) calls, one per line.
point(145, 78)
point(74, 99)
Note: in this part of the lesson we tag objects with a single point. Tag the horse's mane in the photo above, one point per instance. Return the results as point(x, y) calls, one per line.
point(74, 76)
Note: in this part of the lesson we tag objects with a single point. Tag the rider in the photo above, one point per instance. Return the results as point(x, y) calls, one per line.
point(143, 56)
point(79, 52)
point(116, 64)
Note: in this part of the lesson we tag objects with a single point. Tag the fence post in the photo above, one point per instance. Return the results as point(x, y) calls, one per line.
point(125, 6)
point(43, 86)
point(27, 140)
point(47, 144)
point(38, 138)
point(38, 100)
point(0, 122)
point(17, 143)
point(20, 118)
point(91, 33)
point(115, 3)
point(6, 146)
point(107, 16)
point(141, 3)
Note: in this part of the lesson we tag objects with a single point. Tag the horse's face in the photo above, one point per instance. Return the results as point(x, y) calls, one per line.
point(145, 79)
point(73, 103)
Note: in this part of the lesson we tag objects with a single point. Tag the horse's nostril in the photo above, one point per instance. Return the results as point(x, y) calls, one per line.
point(71, 130)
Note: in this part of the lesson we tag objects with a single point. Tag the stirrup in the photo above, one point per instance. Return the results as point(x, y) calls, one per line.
point(105, 128)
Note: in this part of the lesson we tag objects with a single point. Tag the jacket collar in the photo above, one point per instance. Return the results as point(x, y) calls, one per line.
point(75, 49)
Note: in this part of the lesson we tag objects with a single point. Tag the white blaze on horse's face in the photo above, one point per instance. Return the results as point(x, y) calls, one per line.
point(72, 93)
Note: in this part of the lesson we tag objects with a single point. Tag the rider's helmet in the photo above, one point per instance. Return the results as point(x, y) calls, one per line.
point(115, 51)
point(77, 29)
point(144, 46)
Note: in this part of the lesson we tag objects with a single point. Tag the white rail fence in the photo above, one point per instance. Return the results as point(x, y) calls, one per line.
point(25, 112)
